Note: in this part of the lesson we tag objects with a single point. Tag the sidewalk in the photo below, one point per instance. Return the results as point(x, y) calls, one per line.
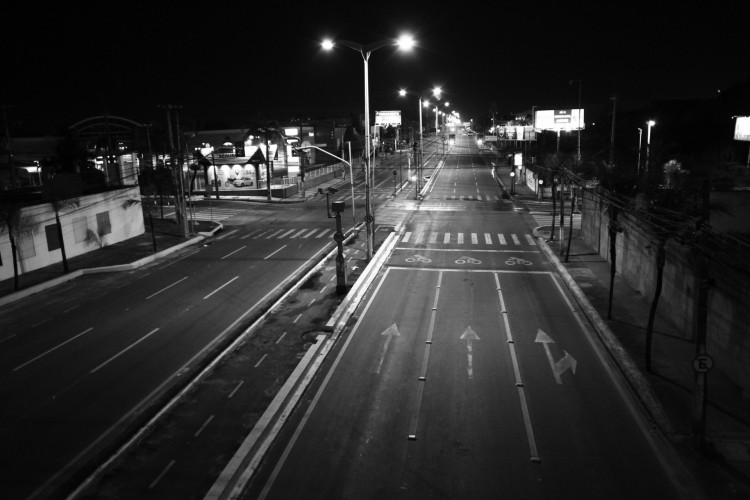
point(722, 470)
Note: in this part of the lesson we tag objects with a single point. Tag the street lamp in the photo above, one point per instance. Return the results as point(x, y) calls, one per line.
point(650, 124)
point(640, 141)
point(580, 84)
point(418, 162)
point(405, 42)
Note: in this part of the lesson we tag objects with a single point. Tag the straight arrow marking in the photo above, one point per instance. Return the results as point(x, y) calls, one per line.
point(389, 333)
point(469, 336)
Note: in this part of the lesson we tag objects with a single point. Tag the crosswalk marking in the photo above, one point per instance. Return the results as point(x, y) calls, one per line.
point(324, 231)
point(473, 238)
point(285, 234)
point(273, 234)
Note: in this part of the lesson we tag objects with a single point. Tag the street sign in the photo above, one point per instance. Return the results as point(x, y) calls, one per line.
point(703, 363)
point(386, 118)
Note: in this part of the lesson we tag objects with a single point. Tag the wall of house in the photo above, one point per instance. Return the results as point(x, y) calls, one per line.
point(97, 221)
point(728, 296)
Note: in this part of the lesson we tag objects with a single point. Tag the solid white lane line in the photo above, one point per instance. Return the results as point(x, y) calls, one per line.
point(53, 349)
point(516, 370)
point(414, 423)
point(232, 253)
point(124, 350)
point(274, 252)
point(222, 286)
point(166, 288)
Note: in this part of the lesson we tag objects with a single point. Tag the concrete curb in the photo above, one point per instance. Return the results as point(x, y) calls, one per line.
point(626, 364)
point(344, 311)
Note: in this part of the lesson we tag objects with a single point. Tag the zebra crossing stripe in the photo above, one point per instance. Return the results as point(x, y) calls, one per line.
point(406, 237)
point(447, 238)
point(530, 240)
point(487, 238)
point(312, 231)
point(298, 233)
point(460, 238)
point(515, 239)
point(273, 234)
point(474, 239)
point(324, 231)
point(433, 237)
point(282, 235)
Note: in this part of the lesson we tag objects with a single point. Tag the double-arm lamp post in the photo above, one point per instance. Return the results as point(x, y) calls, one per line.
point(405, 42)
point(418, 161)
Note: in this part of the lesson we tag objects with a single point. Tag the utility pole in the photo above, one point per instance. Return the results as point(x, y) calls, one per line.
point(612, 136)
point(8, 149)
point(176, 175)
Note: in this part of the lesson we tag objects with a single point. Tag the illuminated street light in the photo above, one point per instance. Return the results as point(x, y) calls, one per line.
point(650, 124)
point(418, 162)
point(405, 42)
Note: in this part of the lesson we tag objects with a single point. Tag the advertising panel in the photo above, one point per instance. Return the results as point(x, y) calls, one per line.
point(559, 119)
point(386, 118)
point(742, 128)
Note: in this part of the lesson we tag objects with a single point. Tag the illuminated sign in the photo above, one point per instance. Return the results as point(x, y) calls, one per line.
point(559, 119)
point(386, 118)
point(742, 128)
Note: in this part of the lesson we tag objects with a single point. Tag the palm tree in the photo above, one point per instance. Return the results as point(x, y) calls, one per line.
point(17, 225)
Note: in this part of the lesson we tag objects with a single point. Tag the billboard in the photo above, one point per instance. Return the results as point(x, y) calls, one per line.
point(742, 128)
point(559, 119)
point(386, 118)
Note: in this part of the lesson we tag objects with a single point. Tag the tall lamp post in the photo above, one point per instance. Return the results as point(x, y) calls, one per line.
point(405, 42)
point(418, 167)
point(578, 154)
point(640, 141)
point(650, 124)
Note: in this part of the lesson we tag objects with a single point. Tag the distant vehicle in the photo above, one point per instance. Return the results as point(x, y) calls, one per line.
point(451, 139)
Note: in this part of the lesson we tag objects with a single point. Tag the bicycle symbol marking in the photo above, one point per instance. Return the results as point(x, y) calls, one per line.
point(467, 260)
point(512, 261)
point(418, 258)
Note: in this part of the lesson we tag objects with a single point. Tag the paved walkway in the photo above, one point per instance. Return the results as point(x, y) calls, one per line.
point(722, 469)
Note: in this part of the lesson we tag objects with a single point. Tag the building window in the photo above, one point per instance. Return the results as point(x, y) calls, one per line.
point(103, 225)
point(53, 242)
point(80, 229)
point(26, 248)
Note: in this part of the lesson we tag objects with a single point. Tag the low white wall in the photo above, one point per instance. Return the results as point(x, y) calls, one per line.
point(80, 226)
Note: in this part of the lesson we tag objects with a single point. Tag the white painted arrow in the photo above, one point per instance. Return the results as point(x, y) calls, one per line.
point(469, 336)
point(558, 367)
point(389, 333)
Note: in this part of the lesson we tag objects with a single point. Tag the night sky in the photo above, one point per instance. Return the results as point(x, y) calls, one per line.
point(228, 64)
